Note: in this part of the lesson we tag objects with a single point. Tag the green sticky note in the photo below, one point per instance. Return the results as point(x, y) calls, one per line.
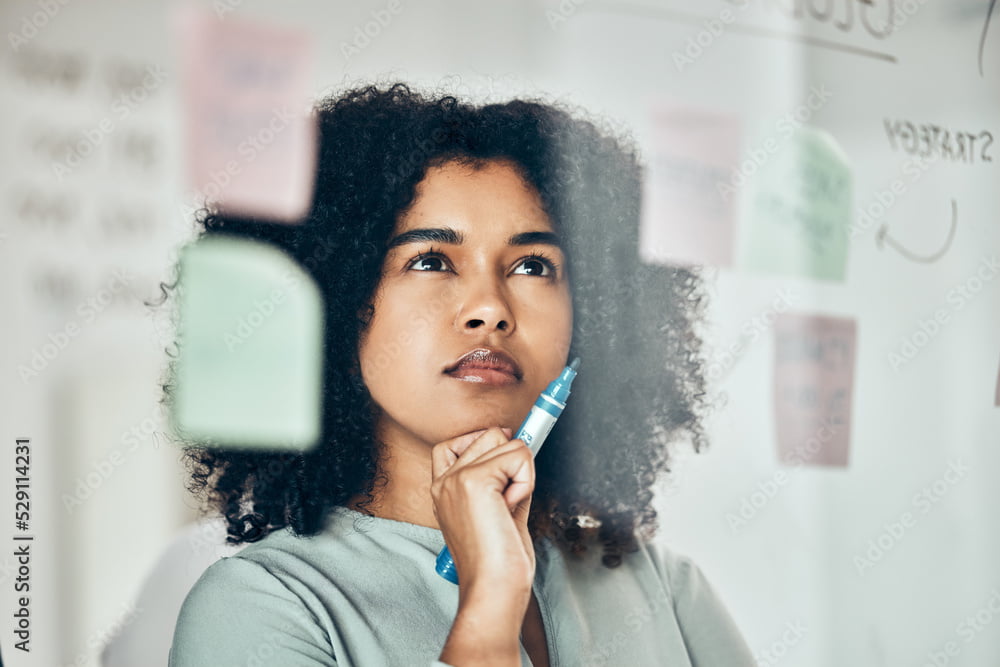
point(798, 209)
point(250, 359)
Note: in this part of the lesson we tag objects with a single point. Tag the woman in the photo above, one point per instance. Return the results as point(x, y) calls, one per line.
point(465, 254)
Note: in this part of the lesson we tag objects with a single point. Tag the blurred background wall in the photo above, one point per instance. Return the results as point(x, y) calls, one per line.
point(883, 551)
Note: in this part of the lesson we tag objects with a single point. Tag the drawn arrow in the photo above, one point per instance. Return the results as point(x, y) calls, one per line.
point(882, 236)
point(982, 38)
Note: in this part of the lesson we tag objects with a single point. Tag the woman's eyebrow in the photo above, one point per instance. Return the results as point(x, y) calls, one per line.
point(432, 234)
point(453, 237)
point(532, 238)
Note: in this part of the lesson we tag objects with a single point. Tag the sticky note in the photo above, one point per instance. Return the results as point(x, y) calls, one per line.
point(250, 141)
point(688, 218)
point(996, 399)
point(250, 347)
point(798, 208)
point(813, 384)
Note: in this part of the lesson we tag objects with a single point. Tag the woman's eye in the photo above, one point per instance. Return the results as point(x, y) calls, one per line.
point(429, 263)
point(535, 266)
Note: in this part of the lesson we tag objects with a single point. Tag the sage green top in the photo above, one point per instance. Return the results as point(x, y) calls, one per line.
point(364, 592)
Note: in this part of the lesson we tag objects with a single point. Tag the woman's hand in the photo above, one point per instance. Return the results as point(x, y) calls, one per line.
point(481, 488)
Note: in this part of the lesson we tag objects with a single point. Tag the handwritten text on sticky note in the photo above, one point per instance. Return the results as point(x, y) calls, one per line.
point(685, 218)
point(799, 209)
point(813, 384)
point(250, 143)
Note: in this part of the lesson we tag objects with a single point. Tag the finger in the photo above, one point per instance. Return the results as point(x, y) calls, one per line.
point(488, 441)
point(500, 449)
point(521, 486)
point(513, 471)
point(521, 513)
point(444, 454)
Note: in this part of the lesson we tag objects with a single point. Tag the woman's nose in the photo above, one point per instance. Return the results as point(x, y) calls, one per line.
point(486, 310)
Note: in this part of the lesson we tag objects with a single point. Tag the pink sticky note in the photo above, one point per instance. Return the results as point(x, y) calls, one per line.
point(251, 143)
point(813, 383)
point(687, 212)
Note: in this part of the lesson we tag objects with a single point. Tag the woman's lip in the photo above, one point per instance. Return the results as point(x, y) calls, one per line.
point(481, 361)
point(481, 375)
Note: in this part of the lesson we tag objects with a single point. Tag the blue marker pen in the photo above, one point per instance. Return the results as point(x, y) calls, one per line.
point(533, 431)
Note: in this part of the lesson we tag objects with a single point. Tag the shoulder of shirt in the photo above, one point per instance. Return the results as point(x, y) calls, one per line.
point(238, 581)
point(237, 574)
point(237, 600)
point(279, 556)
point(278, 545)
point(255, 569)
point(676, 570)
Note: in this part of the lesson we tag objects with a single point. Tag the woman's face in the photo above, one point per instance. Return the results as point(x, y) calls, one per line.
point(473, 315)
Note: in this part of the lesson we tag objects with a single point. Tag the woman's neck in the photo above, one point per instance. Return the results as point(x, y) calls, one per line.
point(405, 495)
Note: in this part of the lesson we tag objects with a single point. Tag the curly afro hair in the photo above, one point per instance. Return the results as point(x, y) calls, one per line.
point(634, 324)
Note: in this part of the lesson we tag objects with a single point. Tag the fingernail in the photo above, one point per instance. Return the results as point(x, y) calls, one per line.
point(506, 431)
